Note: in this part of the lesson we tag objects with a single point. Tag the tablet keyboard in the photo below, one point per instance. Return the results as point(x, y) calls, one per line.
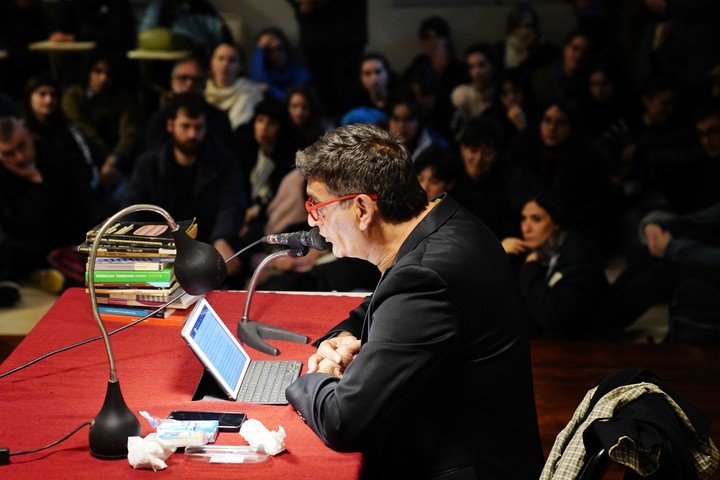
point(266, 381)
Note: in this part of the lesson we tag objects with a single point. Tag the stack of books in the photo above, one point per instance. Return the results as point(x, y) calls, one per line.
point(134, 270)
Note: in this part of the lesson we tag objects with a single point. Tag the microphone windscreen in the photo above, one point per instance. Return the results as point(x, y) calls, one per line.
point(317, 241)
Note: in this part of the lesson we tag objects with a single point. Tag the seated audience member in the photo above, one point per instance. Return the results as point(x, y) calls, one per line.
point(524, 48)
point(273, 64)
point(53, 133)
point(560, 272)
point(474, 98)
point(227, 89)
point(437, 55)
point(437, 170)
point(433, 336)
point(376, 82)
point(306, 114)
point(404, 120)
point(489, 186)
point(47, 204)
point(567, 76)
point(108, 117)
point(193, 175)
point(695, 286)
point(188, 75)
point(513, 108)
point(267, 149)
point(606, 106)
point(607, 112)
point(196, 22)
point(679, 41)
point(649, 279)
point(436, 109)
point(560, 156)
point(655, 133)
point(677, 249)
point(659, 164)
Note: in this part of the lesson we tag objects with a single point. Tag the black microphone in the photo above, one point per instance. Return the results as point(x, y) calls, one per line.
point(311, 238)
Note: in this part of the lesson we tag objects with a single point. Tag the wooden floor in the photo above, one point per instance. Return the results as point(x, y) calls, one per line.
point(563, 372)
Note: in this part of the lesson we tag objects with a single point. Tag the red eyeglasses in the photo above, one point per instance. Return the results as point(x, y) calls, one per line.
point(312, 207)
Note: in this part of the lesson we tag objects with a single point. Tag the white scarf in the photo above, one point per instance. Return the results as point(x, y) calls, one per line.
point(238, 100)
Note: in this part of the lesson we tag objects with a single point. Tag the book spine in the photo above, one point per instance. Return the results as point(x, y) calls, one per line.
point(130, 266)
point(130, 311)
point(120, 295)
point(128, 302)
point(128, 251)
point(136, 290)
point(134, 285)
point(133, 276)
point(135, 241)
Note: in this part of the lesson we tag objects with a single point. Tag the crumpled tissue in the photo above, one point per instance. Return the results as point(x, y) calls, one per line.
point(258, 436)
point(149, 452)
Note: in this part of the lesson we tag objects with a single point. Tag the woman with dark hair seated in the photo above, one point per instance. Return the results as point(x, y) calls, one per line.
point(559, 154)
point(306, 113)
point(53, 133)
point(560, 273)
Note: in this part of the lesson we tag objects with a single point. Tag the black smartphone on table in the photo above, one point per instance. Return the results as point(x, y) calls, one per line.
point(228, 421)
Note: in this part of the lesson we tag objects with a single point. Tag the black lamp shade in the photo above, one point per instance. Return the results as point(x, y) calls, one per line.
point(199, 268)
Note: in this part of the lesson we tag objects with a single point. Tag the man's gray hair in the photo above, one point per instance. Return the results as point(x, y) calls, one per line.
point(364, 158)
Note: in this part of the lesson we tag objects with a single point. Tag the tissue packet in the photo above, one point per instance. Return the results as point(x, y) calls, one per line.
point(184, 433)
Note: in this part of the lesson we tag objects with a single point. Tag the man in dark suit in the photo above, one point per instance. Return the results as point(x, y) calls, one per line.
point(430, 377)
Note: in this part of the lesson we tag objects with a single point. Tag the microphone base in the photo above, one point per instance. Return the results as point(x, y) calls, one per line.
point(252, 334)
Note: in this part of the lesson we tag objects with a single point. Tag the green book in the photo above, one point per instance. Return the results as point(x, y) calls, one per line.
point(158, 278)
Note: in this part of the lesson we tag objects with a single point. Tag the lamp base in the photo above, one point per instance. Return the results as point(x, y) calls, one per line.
point(112, 426)
point(251, 333)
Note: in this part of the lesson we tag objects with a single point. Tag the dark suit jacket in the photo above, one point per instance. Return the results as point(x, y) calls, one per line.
point(441, 387)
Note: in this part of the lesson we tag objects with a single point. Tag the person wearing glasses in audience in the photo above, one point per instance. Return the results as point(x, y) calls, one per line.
point(430, 376)
point(188, 75)
point(405, 121)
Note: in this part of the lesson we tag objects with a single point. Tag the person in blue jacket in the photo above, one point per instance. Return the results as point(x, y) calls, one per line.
point(274, 66)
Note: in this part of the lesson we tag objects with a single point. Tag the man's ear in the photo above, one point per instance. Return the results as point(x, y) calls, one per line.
point(366, 211)
point(169, 125)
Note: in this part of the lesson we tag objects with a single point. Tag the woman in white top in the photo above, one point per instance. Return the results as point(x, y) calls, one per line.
point(227, 90)
point(474, 98)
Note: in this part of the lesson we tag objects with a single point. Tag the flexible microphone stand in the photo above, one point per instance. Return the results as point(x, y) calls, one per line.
point(251, 332)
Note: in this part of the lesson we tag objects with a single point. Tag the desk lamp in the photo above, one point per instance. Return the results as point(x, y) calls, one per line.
point(199, 268)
